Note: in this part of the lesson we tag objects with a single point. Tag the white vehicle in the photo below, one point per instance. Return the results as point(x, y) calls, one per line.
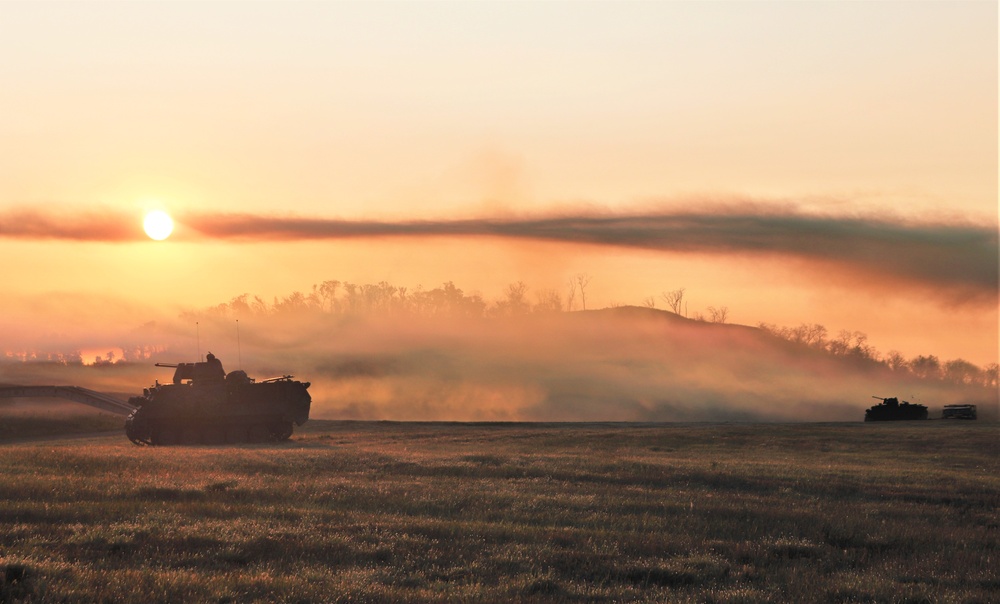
point(959, 412)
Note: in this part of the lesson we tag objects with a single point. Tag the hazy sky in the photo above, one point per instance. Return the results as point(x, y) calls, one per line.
point(831, 114)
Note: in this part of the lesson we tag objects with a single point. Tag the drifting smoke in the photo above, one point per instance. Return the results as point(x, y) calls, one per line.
point(961, 259)
point(626, 364)
point(957, 262)
point(107, 226)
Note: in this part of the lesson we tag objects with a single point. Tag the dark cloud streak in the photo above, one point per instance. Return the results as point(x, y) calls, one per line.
point(957, 262)
point(96, 226)
point(961, 259)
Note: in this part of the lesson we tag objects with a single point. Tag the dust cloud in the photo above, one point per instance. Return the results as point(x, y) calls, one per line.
point(626, 364)
point(618, 364)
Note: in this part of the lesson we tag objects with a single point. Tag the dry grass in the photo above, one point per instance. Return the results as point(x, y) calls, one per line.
point(373, 511)
point(25, 419)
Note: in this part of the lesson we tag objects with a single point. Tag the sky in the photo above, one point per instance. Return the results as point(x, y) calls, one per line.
point(797, 162)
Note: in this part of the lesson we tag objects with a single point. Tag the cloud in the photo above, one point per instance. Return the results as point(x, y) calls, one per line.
point(97, 225)
point(957, 262)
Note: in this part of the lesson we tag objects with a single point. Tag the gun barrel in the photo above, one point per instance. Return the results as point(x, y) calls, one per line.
point(174, 365)
point(879, 398)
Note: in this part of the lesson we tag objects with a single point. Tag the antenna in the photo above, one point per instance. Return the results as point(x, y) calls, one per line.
point(197, 331)
point(239, 350)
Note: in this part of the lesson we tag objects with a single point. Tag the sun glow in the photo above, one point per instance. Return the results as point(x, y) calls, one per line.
point(158, 225)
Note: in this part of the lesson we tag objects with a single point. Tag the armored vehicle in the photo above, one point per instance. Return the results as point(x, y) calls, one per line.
point(958, 412)
point(890, 409)
point(205, 405)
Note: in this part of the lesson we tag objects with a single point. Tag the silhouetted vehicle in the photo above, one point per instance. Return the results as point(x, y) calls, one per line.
point(206, 405)
point(958, 412)
point(890, 409)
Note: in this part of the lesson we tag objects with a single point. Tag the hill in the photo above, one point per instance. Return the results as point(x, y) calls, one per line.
point(616, 364)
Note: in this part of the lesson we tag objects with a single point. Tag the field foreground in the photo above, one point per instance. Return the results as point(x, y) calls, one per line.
point(373, 511)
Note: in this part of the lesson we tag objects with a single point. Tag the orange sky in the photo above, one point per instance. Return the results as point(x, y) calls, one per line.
point(448, 111)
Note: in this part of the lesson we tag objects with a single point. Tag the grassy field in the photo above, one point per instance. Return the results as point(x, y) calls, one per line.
point(27, 419)
point(370, 512)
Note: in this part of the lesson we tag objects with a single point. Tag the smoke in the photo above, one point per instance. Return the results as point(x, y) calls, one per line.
point(626, 364)
point(957, 263)
point(103, 225)
point(960, 259)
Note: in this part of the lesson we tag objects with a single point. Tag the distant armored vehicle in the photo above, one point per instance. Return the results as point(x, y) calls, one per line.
point(890, 409)
point(958, 412)
point(206, 405)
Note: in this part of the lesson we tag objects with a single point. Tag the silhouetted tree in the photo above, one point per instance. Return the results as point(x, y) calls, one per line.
point(926, 367)
point(842, 344)
point(514, 302)
point(718, 315)
point(991, 375)
point(582, 280)
point(327, 294)
point(895, 361)
point(816, 335)
point(548, 301)
point(960, 371)
point(861, 349)
point(295, 302)
point(571, 297)
point(674, 300)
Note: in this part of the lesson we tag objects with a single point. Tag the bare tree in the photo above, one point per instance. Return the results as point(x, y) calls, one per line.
point(816, 335)
point(327, 293)
point(842, 344)
point(548, 301)
point(571, 297)
point(991, 375)
point(649, 302)
point(718, 315)
point(514, 302)
point(926, 367)
point(674, 300)
point(895, 360)
point(960, 371)
point(862, 349)
point(582, 280)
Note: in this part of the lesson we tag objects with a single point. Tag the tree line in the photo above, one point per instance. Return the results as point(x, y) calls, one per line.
point(854, 345)
point(385, 299)
point(334, 297)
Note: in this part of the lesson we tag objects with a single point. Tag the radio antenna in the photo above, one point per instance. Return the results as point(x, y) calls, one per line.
point(197, 331)
point(239, 350)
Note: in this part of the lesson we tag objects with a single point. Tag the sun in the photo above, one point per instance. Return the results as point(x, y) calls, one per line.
point(158, 225)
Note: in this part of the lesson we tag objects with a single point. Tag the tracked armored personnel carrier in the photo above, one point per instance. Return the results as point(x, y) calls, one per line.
point(890, 409)
point(205, 405)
